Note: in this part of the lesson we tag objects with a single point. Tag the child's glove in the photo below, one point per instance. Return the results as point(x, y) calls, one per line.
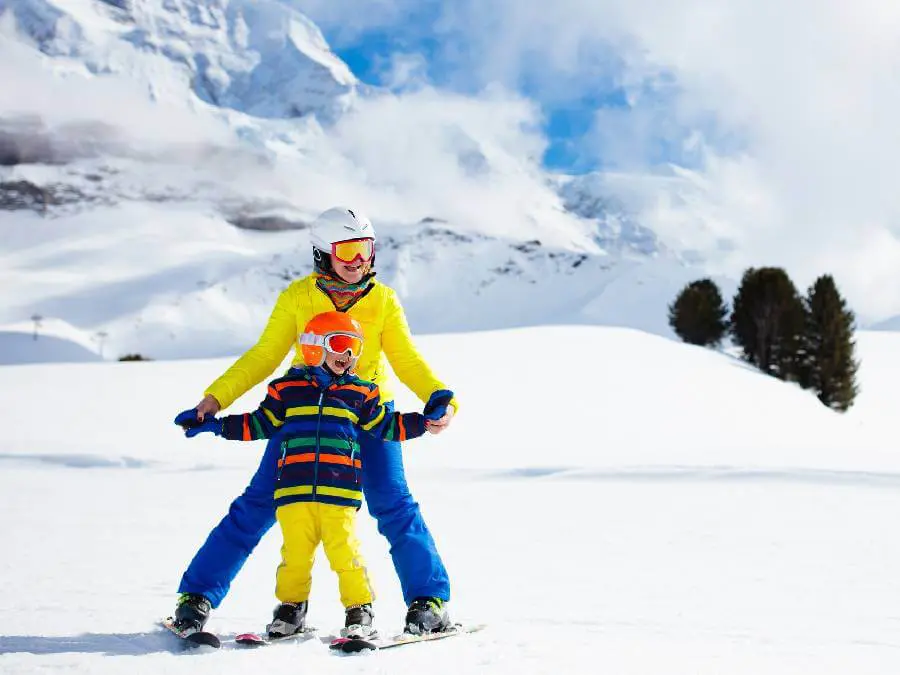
point(437, 404)
point(188, 420)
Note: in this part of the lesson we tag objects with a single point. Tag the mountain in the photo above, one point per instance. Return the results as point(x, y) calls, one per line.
point(161, 160)
point(891, 324)
point(259, 57)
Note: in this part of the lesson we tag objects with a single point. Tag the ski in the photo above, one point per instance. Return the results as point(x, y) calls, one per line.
point(353, 645)
point(197, 638)
point(262, 640)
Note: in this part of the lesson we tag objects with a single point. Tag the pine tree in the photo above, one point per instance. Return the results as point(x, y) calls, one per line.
point(698, 314)
point(768, 320)
point(829, 335)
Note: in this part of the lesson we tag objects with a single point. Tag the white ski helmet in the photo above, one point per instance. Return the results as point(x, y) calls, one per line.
point(337, 225)
point(340, 224)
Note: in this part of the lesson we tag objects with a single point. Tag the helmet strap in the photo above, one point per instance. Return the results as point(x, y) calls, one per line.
point(322, 262)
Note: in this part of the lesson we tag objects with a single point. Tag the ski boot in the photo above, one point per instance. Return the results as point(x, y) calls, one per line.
point(288, 618)
point(358, 623)
point(427, 615)
point(191, 612)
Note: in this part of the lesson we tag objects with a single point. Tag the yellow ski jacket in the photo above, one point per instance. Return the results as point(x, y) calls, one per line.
point(386, 333)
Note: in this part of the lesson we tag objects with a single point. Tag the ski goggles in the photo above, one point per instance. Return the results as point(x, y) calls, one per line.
point(336, 343)
point(348, 251)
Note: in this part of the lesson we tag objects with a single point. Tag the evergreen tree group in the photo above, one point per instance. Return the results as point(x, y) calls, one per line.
point(807, 340)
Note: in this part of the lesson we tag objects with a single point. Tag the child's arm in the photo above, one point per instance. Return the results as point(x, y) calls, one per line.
point(261, 423)
point(375, 419)
point(393, 426)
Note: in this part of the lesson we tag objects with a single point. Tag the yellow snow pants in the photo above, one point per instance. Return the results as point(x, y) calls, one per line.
point(304, 525)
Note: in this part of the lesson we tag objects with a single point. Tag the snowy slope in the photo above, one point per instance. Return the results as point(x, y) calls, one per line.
point(180, 281)
point(581, 512)
point(891, 324)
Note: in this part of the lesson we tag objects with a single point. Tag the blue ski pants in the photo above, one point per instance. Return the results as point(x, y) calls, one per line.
point(389, 501)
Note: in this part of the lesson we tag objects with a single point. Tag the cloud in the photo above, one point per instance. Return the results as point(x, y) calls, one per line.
point(787, 112)
point(345, 21)
point(404, 72)
point(473, 161)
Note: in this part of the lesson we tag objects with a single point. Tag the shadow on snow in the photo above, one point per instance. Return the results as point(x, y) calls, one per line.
point(108, 644)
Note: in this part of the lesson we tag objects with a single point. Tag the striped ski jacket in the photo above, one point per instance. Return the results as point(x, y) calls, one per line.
point(318, 419)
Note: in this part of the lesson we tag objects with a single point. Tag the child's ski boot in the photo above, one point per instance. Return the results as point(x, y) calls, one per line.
point(288, 618)
point(358, 622)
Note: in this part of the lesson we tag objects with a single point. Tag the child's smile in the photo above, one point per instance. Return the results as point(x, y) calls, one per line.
point(339, 363)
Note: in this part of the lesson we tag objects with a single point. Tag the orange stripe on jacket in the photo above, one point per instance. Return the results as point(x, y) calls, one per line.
point(292, 383)
point(325, 459)
point(354, 387)
point(402, 428)
point(247, 436)
point(275, 393)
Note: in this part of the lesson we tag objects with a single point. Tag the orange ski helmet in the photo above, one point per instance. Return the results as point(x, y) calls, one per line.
point(335, 331)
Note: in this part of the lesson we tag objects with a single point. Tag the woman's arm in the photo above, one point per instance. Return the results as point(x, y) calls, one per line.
point(261, 359)
point(405, 359)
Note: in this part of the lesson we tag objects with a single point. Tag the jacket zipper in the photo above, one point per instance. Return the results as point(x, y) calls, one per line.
point(283, 455)
point(318, 428)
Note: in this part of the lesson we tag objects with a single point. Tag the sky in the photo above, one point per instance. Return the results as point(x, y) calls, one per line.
point(580, 90)
point(412, 52)
point(780, 116)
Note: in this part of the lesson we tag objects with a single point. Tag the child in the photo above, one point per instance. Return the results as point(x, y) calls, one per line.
point(317, 412)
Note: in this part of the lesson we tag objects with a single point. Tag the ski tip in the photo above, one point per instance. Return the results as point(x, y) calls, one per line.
point(198, 639)
point(260, 639)
point(204, 639)
point(251, 640)
point(352, 645)
point(249, 637)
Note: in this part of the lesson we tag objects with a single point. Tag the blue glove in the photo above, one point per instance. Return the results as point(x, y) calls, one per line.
point(208, 425)
point(188, 420)
point(437, 404)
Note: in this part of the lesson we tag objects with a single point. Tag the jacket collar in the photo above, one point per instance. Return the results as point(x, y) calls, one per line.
point(321, 376)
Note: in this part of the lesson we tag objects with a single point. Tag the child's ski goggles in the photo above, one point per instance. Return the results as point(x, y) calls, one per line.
point(336, 343)
point(348, 251)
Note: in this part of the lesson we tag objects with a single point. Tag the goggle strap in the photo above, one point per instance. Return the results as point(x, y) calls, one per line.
point(314, 340)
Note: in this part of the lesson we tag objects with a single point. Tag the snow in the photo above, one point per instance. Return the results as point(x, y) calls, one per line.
point(633, 505)
point(891, 324)
point(46, 341)
point(169, 277)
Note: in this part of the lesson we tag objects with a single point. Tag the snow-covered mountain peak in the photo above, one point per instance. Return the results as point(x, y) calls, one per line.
point(260, 57)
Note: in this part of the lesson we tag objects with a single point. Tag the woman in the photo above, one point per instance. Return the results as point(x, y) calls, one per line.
point(344, 255)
